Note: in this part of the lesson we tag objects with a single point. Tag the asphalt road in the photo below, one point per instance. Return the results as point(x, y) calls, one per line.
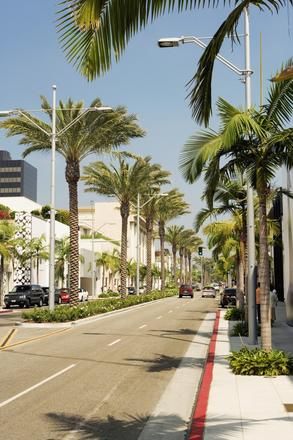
point(101, 380)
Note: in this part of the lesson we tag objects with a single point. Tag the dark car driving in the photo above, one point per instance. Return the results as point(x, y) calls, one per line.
point(185, 290)
point(228, 297)
point(131, 290)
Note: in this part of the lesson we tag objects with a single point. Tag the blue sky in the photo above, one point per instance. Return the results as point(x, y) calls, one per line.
point(149, 81)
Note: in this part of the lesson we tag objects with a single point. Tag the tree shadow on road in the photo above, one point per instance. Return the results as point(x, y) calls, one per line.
point(127, 427)
point(167, 363)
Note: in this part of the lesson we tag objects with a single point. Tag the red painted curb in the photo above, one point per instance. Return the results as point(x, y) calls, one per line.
point(6, 311)
point(199, 415)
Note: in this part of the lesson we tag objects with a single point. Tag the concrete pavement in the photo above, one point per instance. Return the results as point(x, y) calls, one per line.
point(247, 407)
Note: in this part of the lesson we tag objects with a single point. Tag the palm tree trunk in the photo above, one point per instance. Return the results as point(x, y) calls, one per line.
point(189, 268)
point(124, 211)
point(149, 237)
point(1, 280)
point(162, 248)
point(185, 267)
point(72, 177)
point(103, 277)
point(263, 272)
point(174, 252)
point(38, 269)
point(181, 265)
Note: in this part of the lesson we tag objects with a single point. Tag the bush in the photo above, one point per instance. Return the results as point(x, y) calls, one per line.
point(66, 313)
point(241, 329)
point(109, 295)
point(234, 314)
point(259, 362)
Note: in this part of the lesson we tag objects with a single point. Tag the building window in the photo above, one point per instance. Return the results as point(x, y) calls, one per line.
point(10, 169)
point(9, 190)
point(10, 179)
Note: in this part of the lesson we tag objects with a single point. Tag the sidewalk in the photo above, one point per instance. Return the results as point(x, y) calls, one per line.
point(249, 407)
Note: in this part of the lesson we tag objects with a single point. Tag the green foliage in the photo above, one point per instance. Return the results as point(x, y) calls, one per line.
point(234, 314)
point(66, 313)
point(109, 295)
point(45, 211)
point(62, 216)
point(260, 362)
point(241, 329)
point(36, 213)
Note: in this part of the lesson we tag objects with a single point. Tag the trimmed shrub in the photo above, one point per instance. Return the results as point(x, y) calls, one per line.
point(241, 329)
point(259, 362)
point(234, 314)
point(109, 295)
point(65, 313)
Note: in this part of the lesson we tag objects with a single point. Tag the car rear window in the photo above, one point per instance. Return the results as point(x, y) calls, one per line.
point(208, 288)
point(230, 292)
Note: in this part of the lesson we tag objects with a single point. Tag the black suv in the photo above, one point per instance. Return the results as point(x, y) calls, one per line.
point(228, 297)
point(29, 295)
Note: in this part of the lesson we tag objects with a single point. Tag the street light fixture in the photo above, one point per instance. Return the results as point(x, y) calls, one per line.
point(53, 135)
point(138, 207)
point(245, 74)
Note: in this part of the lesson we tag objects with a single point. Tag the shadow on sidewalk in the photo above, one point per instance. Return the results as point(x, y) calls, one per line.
point(128, 427)
point(167, 363)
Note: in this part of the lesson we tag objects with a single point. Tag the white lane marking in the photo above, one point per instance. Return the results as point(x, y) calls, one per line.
point(170, 311)
point(142, 326)
point(159, 317)
point(5, 402)
point(114, 342)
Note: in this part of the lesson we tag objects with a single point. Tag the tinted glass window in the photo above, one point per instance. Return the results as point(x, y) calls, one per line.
point(230, 292)
point(21, 288)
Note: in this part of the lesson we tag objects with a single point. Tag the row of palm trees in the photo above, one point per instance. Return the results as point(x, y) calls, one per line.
point(255, 143)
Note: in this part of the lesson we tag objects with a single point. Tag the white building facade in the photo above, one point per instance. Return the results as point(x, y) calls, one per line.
point(105, 218)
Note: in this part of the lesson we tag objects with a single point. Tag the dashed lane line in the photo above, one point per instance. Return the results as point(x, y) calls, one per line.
point(114, 342)
point(142, 326)
point(28, 390)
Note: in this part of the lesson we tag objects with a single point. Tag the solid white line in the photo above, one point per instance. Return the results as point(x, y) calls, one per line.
point(5, 402)
point(114, 342)
point(159, 317)
point(142, 326)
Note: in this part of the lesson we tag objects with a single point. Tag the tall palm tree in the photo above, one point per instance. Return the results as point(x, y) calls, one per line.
point(123, 182)
point(92, 134)
point(173, 234)
point(256, 142)
point(191, 247)
point(92, 33)
point(169, 207)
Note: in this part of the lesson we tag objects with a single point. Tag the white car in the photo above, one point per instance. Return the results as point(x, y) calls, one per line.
point(208, 292)
point(83, 295)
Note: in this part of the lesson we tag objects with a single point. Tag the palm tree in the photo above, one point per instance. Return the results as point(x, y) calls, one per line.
point(173, 234)
point(92, 33)
point(256, 142)
point(103, 260)
point(92, 134)
point(191, 247)
point(7, 231)
point(62, 258)
point(38, 251)
point(123, 182)
point(168, 208)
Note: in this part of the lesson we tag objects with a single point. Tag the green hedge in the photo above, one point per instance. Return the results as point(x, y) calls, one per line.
point(109, 295)
point(259, 362)
point(66, 313)
point(234, 314)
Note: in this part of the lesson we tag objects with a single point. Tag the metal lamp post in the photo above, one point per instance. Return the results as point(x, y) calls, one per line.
point(53, 135)
point(245, 74)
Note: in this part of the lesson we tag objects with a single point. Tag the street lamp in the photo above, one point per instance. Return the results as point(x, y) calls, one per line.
point(53, 135)
point(245, 74)
point(138, 207)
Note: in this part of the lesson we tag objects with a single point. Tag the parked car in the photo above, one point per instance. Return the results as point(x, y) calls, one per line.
point(63, 295)
point(83, 295)
point(46, 295)
point(228, 297)
point(131, 290)
point(25, 296)
point(185, 290)
point(208, 292)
